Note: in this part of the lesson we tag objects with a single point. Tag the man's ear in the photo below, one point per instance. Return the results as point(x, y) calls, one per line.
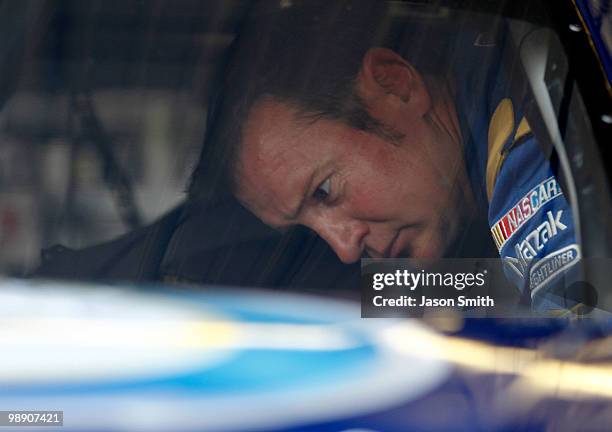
point(386, 78)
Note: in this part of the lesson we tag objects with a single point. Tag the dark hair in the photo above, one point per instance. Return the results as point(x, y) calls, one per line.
point(305, 53)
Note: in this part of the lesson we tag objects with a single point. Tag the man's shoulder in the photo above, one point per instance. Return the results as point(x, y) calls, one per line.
point(133, 256)
point(532, 225)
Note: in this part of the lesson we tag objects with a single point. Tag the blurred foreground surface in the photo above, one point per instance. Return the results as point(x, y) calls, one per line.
point(122, 358)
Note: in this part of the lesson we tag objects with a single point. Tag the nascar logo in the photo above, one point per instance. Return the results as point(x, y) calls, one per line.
point(524, 209)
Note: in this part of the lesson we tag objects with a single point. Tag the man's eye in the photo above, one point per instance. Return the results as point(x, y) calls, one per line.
point(323, 190)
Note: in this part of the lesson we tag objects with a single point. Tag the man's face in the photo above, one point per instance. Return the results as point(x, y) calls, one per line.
point(358, 191)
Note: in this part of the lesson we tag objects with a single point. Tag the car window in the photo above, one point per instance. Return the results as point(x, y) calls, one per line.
point(105, 112)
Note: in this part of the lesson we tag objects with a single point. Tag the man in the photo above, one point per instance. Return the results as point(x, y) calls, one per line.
point(332, 119)
point(386, 137)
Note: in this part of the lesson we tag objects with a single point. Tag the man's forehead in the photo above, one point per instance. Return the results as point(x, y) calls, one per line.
point(272, 127)
point(274, 158)
point(270, 137)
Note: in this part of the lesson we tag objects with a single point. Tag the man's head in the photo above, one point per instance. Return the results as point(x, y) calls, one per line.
point(324, 128)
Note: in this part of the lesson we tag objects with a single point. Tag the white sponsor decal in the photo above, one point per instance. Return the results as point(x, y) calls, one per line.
point(528, 248)
point(534, 242)
point(551, 265)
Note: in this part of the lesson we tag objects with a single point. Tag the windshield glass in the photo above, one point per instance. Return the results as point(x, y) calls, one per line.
point(201, 203)
point(105, 113)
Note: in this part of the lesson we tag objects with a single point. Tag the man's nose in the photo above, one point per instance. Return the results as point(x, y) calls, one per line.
point(346, 237)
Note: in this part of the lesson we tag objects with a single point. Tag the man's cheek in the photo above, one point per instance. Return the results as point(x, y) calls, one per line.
point(367, 202)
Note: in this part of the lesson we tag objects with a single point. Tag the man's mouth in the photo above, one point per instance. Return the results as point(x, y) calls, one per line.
point(380, 252)
point(396, 248)
point(400, 244)
point(390, 251)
